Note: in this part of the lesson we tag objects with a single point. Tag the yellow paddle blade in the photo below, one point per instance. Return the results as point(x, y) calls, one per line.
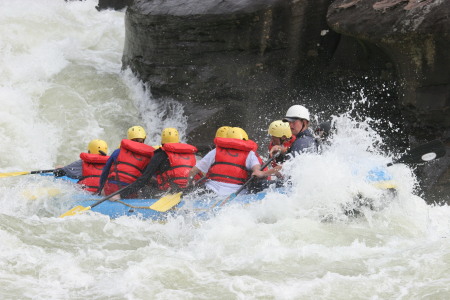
point(33, 194)
point(385, 185)
point(13, 174)
point(166, 202)
point(75, 211)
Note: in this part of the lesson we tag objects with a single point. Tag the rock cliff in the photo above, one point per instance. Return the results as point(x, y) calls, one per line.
point(245, 62)
point(230, 62)
point(415, 35)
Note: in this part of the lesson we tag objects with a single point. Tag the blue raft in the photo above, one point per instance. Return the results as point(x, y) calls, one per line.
point(201, 206)
point(198, 206)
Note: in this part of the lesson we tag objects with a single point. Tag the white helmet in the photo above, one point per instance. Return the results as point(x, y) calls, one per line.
point(296, 112)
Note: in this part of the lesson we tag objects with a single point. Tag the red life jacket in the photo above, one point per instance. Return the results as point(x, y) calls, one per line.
point(181, 160)
point(287, 144)
point(92, 166)
point(255, 149)
point(229, 165)
point(131, 162)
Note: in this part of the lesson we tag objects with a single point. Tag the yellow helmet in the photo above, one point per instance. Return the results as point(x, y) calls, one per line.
point(237, 133)
point(222, 131)
point(169, 135)
point(279, 129)
point(136, 132)
point(98, 147)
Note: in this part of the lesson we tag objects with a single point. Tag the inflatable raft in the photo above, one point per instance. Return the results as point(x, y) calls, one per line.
point(198, 206)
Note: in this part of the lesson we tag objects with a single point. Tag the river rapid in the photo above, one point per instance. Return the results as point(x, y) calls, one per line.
point(61, 85)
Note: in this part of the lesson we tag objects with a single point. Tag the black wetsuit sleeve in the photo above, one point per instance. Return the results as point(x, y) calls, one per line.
point(74, 170)
point(305, 143)
point(106, 169)
point(155, 164)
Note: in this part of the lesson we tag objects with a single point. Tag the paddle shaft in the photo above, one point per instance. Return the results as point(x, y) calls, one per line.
point(24, 173)
point(232, 196)
point(130, 185)
point(200, 180)
point(41, 171)
point(110, 196)
point(78, 209)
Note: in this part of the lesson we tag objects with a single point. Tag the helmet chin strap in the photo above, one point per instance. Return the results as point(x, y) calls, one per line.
point(303, 126)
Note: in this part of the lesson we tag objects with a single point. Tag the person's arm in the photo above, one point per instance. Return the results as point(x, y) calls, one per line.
point(252, 163)
point(277, 148)
point(194, 171)
point(202, 166)
point(205, 163)
point(262, 174)
point(256, 171)
point(154, 165)
point(106, 168)
point(73, 170)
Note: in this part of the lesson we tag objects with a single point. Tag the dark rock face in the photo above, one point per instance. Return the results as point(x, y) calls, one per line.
point(435, 179)
point(113, 4)
point(416, 37)
point(231, 62)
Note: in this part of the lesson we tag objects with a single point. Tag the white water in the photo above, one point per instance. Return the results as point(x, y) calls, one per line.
point(61, 85)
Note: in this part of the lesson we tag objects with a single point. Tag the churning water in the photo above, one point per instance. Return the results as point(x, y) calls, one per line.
point(61, 86)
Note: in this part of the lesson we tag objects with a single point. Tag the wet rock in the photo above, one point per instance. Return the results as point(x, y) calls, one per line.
point(239, 60)
point(113, 4)
point(243, 63)
point(415, 36)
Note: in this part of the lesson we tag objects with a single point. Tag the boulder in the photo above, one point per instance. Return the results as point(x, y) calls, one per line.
point(113, 4)
point(415, 36)
point(230, 62)
point(241, 63)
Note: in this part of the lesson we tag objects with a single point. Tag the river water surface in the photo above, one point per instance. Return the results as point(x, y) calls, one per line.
point(61, 85)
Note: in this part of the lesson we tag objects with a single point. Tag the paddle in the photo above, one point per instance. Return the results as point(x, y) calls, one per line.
point(166, 202)
point(232, 196)
point(78, 209)
point(421, 154)
point(24, 173)
point(169, 201)
point(200, 180)
point(162, 205)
